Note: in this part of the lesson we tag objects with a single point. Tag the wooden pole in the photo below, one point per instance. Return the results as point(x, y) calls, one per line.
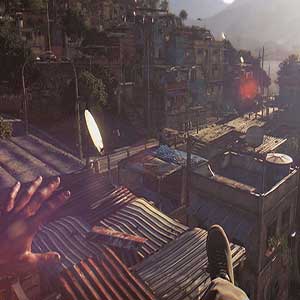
point(25, 103)
point(77, 112)
point(188, 171)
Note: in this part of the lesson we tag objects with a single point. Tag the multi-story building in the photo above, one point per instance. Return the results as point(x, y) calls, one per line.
point(176, 71)
point(32, 26)
point(245, 81)
point(255, 201)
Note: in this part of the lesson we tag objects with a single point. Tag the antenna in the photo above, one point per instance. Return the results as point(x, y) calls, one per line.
point(93, 130)
point(255, 136)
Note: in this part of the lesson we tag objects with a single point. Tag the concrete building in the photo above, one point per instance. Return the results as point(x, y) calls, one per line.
point(32, 26)
point(256, 202)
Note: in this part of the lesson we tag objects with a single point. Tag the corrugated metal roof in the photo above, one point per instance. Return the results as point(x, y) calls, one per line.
point(26, 157)
point(178, 271)
point(242, 124)
point(237, 225)
point(211, 133)
point(270, 144)
point(140, 218)
point(87, 188)
point(88, 270)
point(101, 278)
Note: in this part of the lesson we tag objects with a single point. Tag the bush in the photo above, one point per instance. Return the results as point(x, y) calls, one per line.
point(5, 129)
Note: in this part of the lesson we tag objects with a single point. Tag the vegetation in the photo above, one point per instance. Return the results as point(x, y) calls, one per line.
point(93, 90)
point(13, 54)
point(279, 243)
point(10, 5)
point(164, 4)
point(74, 24)
point(183, 15)
point(109, 81)
point(285, 68)
point(5, 129)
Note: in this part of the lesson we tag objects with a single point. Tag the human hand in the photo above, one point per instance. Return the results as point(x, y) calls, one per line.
point(22, 216)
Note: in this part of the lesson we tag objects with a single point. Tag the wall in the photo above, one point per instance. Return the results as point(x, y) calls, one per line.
point(230, 194)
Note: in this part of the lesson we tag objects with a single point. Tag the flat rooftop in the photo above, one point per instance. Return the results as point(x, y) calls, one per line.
point(244, 172)
point(251, 180)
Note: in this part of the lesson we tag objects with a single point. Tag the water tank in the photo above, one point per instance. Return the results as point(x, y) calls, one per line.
point(278, 166)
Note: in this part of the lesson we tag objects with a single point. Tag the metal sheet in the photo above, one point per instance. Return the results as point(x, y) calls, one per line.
point(178, 271)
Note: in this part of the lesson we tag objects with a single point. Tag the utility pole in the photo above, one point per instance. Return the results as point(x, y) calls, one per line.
point(77, 111)
point(148, 81)
point(262, 81)
point(188, 170)
point(25, 102)
point(48, 27)
point(121, 85)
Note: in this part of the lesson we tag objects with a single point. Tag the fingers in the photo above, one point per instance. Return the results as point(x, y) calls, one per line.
point(49, 208)
point(40, 197)
point(10, 204)
point(25, 198)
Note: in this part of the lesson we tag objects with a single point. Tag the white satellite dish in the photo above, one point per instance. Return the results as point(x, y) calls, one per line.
point(255, 136)
point(93, 130)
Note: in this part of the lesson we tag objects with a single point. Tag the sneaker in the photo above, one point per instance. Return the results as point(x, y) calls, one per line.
point(219, 254)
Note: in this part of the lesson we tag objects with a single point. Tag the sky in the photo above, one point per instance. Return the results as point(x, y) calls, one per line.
point(228, 1)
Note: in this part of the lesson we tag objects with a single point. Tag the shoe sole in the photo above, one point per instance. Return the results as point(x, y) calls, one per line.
point(219, 230)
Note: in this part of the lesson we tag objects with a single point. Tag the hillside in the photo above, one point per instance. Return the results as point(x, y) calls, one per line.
point(253, 23)
point(198, 8)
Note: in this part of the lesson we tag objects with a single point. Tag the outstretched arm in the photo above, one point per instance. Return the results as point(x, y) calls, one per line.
point(22, 215)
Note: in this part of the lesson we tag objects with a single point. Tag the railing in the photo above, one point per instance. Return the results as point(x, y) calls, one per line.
point(110, 161)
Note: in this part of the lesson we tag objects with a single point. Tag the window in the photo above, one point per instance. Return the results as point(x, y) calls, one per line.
point(285, 219)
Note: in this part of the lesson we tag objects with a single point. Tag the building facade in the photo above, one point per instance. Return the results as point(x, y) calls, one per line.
point(257, 210)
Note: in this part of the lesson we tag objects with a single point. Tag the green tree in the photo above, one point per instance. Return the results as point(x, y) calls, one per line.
point(11, 5)
point(93, 90)
point(164, 4)
point(183, 15)
point(74, 24)
point(285, 68)
point(109, 82)
point(13, 54)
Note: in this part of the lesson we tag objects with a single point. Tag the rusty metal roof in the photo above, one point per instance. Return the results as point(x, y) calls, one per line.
point(88, 270)
point(91, 270)
point(105, 277)
point(140, 218)
point(178, 271)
